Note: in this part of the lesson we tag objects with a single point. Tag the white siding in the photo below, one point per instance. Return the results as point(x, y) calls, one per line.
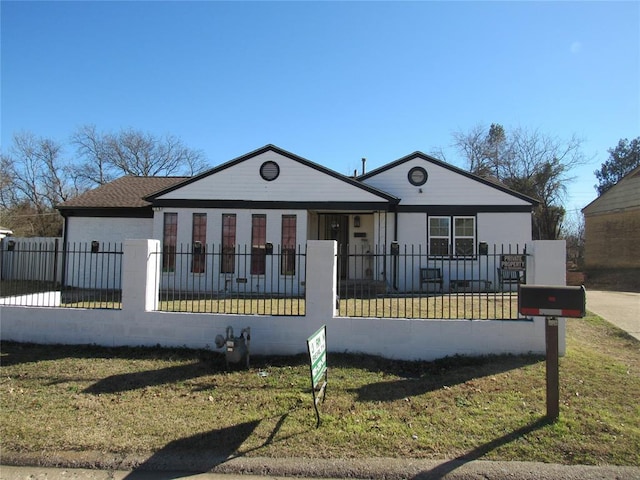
point(504, 228)
point(107, 229)
point(296, 182)
point(443, 187)
point(412, 230)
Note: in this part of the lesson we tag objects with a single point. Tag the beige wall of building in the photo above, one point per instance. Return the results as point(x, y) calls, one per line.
point(612, 240)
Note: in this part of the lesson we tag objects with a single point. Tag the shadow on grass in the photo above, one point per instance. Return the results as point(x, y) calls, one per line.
point(200, 453)
point(15, 353)
point(440, 373)
point(444, 469)
point(138, 380)
point(164, 376)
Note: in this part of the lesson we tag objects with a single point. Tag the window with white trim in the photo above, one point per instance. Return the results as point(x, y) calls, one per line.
point(449, 235)
point(439, 235)
point(464, 236)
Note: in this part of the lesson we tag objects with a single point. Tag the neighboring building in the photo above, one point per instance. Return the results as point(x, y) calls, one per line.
point(273, 197)
point(612, 226)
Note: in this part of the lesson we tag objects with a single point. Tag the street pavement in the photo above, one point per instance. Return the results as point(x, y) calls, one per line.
point(619, 308)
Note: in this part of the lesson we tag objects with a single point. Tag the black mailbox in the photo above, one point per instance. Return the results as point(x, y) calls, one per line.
point(268, 248)
point(95, 246)
point(395, 248)
point(551, 301)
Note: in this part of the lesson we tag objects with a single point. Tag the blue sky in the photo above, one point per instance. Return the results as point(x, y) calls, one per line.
point(330, 81)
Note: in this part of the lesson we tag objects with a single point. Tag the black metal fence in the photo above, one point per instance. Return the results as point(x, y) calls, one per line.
point(52, 274)
point(264, 280)
point(406, 282)
point(386, 282)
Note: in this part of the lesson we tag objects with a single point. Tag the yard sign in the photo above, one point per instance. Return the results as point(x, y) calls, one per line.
point(317, 347)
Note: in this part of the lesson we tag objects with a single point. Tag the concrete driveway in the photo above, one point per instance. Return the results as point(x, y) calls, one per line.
point(620, 308)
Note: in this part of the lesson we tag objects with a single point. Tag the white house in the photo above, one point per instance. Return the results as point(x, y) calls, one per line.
point(273, 198)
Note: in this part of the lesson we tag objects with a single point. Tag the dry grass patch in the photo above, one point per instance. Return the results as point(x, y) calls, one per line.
point(470, 306)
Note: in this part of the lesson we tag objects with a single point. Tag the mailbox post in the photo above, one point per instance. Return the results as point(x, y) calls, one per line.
point(552, 302)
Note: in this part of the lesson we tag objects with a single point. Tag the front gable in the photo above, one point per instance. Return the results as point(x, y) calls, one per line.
point(272, 178)
point(422, 181)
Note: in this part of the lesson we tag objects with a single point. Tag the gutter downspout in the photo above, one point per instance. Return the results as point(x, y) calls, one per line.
point(395, 239)
point(65, 236)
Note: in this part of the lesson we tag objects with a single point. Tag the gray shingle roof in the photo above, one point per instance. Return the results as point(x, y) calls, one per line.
point(125, 192)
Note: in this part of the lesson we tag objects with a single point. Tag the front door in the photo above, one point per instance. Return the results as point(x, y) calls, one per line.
point(336, 227)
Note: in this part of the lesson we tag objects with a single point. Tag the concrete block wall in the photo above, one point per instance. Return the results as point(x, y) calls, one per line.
point(409, 339)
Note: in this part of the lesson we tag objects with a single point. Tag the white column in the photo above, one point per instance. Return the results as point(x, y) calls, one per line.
point(548, 263)
point(547, 266)
point(140, 275)
point(321, 281)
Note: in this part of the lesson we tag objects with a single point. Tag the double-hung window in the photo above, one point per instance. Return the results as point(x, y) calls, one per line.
point(288, 253)
point(199, 241)
point(464, 236)
point(169, 242)
point(228, 262)
point(439, 236)
point(450, 235)
point(258, 244)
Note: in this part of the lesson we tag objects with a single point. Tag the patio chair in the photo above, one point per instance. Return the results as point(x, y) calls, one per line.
point(510, 277)
point(431, 276)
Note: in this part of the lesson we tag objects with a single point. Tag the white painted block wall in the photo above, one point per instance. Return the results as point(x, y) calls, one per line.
point(137, 324)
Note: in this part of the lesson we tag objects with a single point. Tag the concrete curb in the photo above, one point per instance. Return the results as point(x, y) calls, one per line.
point(202, 466)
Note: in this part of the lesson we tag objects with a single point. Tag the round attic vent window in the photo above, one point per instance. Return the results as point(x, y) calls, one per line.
point(417, 176)
point(269, 170)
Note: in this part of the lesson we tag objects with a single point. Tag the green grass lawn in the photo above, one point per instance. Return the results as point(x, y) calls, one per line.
point(146, 401)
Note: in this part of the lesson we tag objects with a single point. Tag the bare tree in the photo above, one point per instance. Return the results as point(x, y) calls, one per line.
point(472, 146)
point(7, 192)
point(35, 178)
point(94, 168)
point(573, 231)
point(132, 152)
point(527, 161)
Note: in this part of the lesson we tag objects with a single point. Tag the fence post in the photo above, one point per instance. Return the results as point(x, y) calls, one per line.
point(140, 275)
point(321, 281)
